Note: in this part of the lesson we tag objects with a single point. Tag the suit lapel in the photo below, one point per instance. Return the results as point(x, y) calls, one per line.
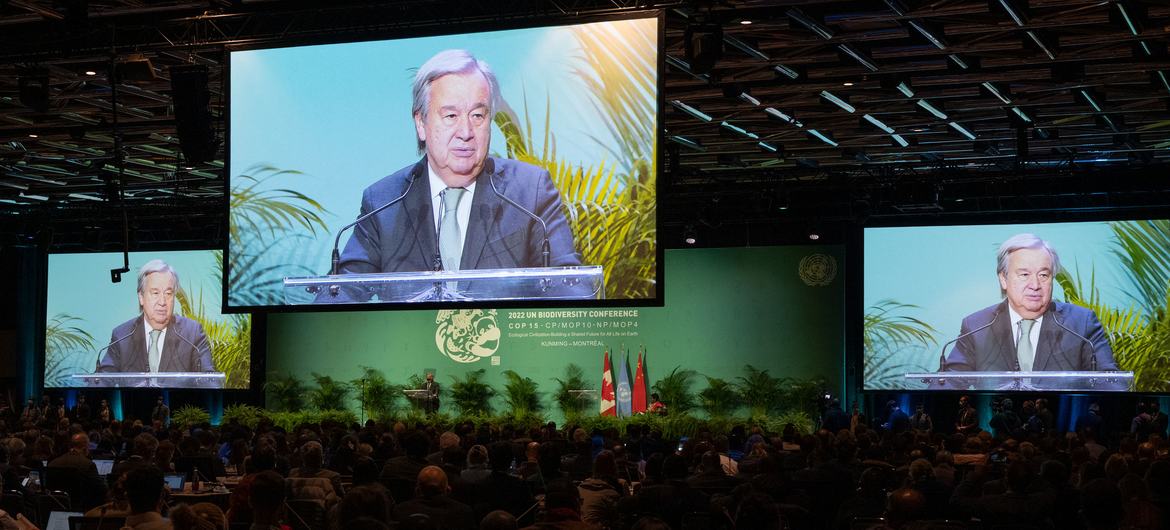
point(1003, 339)
point(484, 206)
point(141, 360)
point(419, 219)
point(171, 345)
point(1049, 342)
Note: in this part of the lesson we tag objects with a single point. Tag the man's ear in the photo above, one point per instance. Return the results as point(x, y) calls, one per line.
point(420, 128)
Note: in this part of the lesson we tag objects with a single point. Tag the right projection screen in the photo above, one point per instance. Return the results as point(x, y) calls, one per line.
point(1096, 294)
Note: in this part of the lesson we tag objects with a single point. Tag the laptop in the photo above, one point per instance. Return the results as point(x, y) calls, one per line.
point(174, 481)
point(60, 520)
point(104, 466)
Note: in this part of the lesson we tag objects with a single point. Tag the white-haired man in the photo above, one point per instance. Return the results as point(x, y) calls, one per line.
point(1028, 331)
point(457, 208)
point(157, 340)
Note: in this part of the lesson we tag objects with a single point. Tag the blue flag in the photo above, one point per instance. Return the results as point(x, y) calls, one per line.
point(625, 394)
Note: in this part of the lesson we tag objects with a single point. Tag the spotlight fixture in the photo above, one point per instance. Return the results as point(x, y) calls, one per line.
point(745, 22)
point(690, 237)
point(814, 235)
point(90, 72)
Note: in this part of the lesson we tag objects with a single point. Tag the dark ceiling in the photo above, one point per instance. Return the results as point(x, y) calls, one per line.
point(780, 117)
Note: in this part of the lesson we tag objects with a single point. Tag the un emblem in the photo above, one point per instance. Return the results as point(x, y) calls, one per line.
point(818, 270)
point(467, 335)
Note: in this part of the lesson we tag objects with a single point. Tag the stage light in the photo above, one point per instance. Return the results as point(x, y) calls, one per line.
point(745, 48)
point(786, 72)
point(1039, 42)
point(847, 83)
point(879, 124)
point(687, 142)
point(900, 140)
point(90, 72)
point(799, 17)
point(31, 135)
point(831, 98)
point(959, 61)
point(936, 112)
point(1001, 94)
point(814, 235)
point(740, 130)
point(694, 112)
point(745, 22)
point(1016, 15)
point(824, 137)
point(904, 88)
point(690, 237)
point(861, 58)
point(769, 148)
point(84, 197)
point(962, 130)
point(921, 28)
point(33, 196)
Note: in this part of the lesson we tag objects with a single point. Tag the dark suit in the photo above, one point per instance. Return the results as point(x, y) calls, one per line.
point(430, 399)
point(498, 236)
point(994, 348)
point(91, 487)
point(178, 355)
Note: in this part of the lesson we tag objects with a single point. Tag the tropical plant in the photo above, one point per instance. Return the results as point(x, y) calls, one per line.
point(377, 396)
point(520, 394)
point(886, 333)
point(675, 390)
point(244, 414)
point(759, 390)
point(1139, 334)
point(63, 342)
point(230, 339)
point(329, 394)
point(189, 416)
point(610, 205)
point(802, 395)
point(285, 392)
point(264, 225)
point(570, 402)
point(470, 394)
point(719, 399)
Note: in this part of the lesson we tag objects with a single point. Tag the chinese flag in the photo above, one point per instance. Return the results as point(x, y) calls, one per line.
point(608, 403)
point(639, 387)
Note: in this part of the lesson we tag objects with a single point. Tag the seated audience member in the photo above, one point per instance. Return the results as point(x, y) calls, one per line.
point(93, 486)
point(477, 466)
point(1101, 505)
point(201, 516)
point(672, 497)
point(601, 491)
point(498, 520)
point(365, 471)
point(144, 492)
point(431, 499)
point(369, 501)
point(562, 508)
point(239, 505)
point(711, 476)
point(407, 467)
point(758, 511)
point(266, 500)
point(312, 466)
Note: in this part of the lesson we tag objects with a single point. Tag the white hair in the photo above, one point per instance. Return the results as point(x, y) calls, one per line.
point(444, 63)
point(153, 266)
point(1022, 241)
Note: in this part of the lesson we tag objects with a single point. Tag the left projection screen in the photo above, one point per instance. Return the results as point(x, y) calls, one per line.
point(97, 332)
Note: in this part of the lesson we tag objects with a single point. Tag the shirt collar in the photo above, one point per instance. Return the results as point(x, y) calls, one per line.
point(437, 184)
point(1016, 318)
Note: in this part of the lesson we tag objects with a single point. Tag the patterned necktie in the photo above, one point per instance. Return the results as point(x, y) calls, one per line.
point(155, 354)
point(449, 246)
point(1024, 346)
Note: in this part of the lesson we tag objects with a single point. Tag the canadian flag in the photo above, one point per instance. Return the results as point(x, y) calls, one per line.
point(608, 404)
point(639, 386)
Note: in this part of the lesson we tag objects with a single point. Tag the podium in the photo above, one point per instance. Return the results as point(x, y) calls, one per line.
point(420, 399)
point(539, 283)
point(1062, 381)
point(208, 380)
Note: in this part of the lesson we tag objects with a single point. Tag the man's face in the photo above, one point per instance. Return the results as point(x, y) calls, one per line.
point(430, 378)
point(457, 127)
point(1028, 281)
point(158, 299)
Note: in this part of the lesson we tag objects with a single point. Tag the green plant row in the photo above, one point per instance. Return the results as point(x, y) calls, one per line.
point(670, 426)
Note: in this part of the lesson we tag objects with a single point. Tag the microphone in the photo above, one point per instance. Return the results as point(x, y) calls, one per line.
point(437, 264)
point(198, 358)
point(337, 240)
point(97, 367)
point(544, 226)
point(942, 358)
point(1092, 347)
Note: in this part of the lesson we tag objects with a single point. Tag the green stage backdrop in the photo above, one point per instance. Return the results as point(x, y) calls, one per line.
point(776, 308)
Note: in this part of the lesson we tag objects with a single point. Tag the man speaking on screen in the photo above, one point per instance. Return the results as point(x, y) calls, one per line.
point(157, 340)
point(458, 208)
point(1028, 331)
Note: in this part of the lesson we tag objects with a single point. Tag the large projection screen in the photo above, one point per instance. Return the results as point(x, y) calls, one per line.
point(321, 134)
point(95, 325)
point(925, 286)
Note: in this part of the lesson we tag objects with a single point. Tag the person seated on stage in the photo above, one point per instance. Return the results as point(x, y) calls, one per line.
point(157, 340)
point(656, 405)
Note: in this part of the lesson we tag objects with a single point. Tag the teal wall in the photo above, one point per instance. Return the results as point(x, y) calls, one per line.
point(724, 308)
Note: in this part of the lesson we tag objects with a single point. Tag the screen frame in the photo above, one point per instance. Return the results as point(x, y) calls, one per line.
point(468, 28)
point(855, 304)
point(257, 341)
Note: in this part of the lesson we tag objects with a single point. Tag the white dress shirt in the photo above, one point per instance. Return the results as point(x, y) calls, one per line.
point(462, 213)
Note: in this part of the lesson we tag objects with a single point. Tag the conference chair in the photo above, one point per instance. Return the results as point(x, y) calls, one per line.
point(53, 501)
point(67, 480)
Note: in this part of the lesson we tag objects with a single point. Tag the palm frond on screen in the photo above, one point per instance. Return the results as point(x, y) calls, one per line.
point(230, 337)
point(609, 201)
point(65, 343)
point(888, 335)
point(1139, 336)
point(1144, 248)
point(263, 226)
